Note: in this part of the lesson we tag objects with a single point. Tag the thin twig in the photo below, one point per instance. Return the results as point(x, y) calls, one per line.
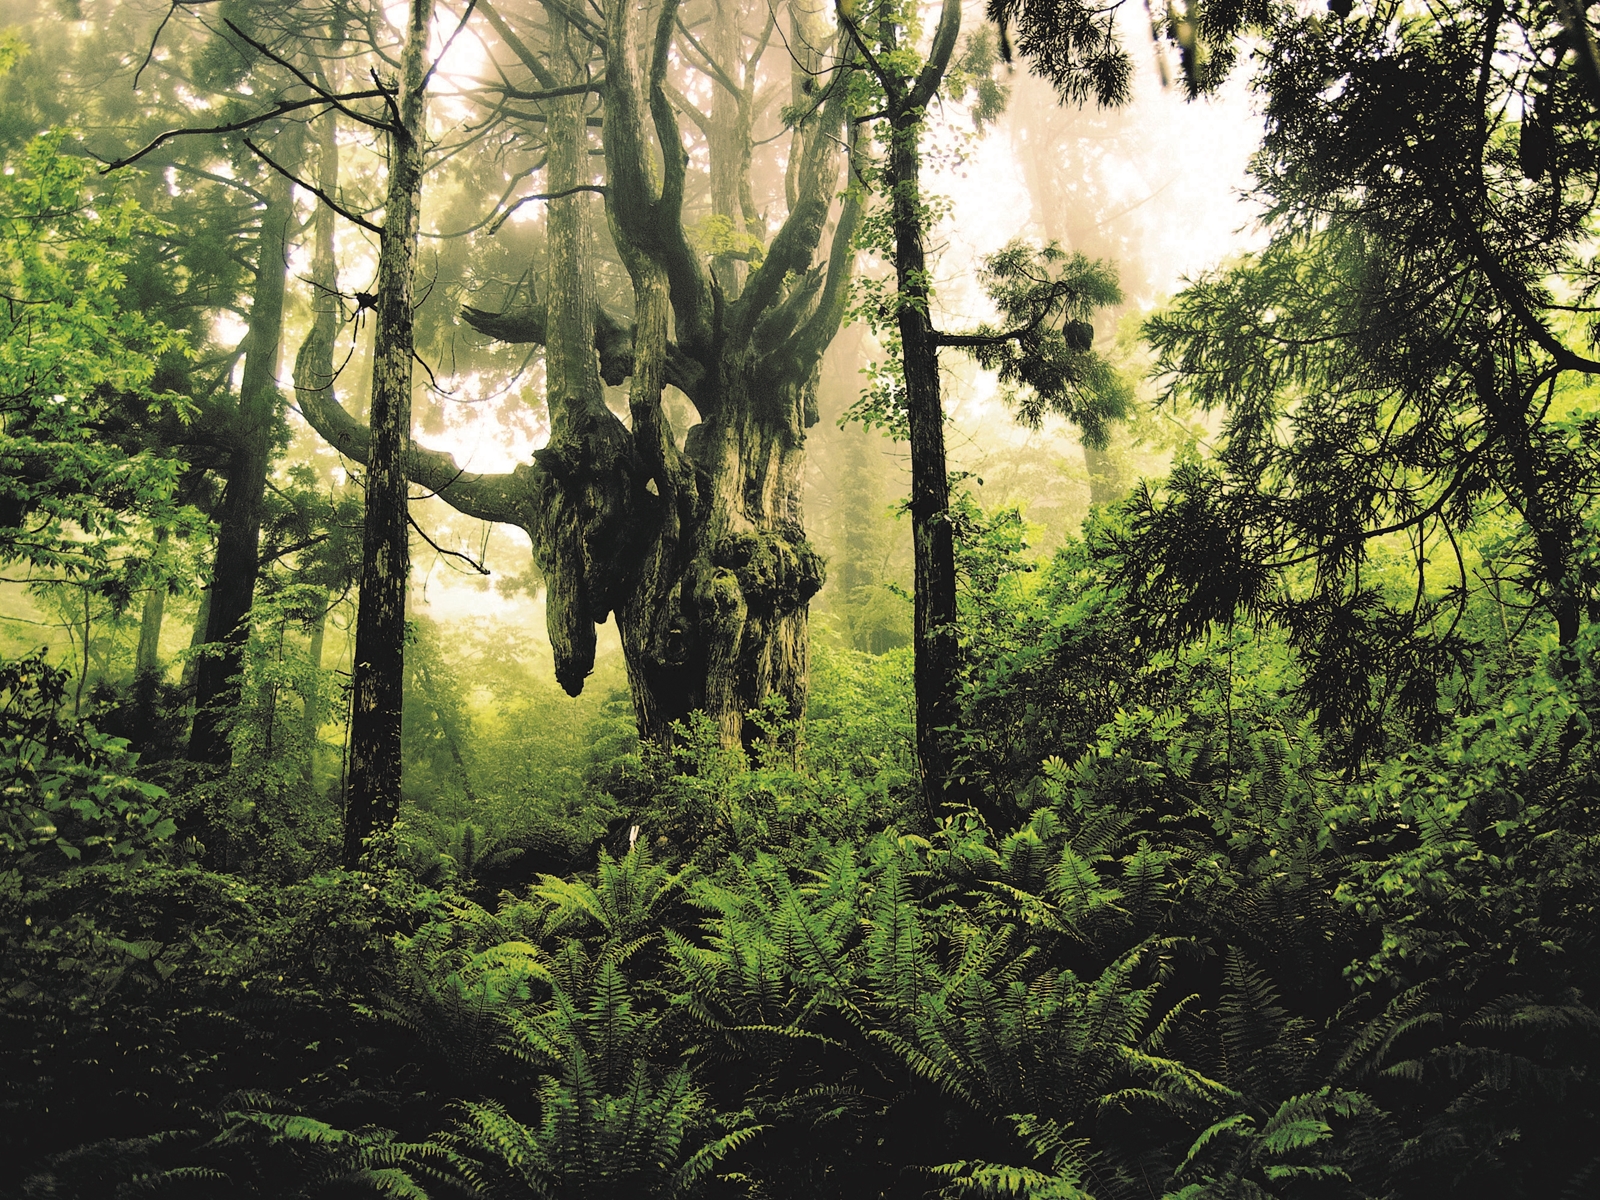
point(306, 80)
point(466, 558)
point(314, 190)
point(449, 41)
point(282, 108)
point(598, 189)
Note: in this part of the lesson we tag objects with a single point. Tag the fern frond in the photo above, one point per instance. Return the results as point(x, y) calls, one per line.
point(1375, 1039)
point(698, 1164)
point(996, 1181)
point(1238, 1125)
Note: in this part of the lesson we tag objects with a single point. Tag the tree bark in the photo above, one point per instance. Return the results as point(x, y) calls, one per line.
point(937, 645)
point(311, 715)
point(1106, 485)
point(1554, 533)
point(237, 561)
point(202, 621)
point(147, 659)
point(372, 800)
point(938, 651)
point(314, 375)
point(717, 620)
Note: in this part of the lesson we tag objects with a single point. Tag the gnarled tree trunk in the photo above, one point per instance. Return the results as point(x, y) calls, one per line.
point(699, 550)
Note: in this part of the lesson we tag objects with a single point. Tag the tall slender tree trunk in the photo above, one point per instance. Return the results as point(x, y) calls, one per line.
point(313, 379)
point(937, 644)
point(147, 659)
point(237, 562)
point(311, 716)
point(938, 651)
point(202, 621)
point(1553, 536)
point(1106, 485)
point(372, 800)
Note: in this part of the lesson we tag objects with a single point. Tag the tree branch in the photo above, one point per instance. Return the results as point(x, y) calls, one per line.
point(754, 61)
point(495, 207)
point(944, 44)
point(316, 88)
point(675, 164)
point(687, 108)
point(796, 241)
point(535, 66)
point(466, 558)
point(313, 189)
point(155, 38)
point(448, 42)
point(888, 81)
point(282, 108)
point(507, 498)
point(599, 189)
point(715, 69)
point(582, 23)
point(613, 343)
point(187, 169)
point(554, 93)
point(813, 337)
point(517, 327)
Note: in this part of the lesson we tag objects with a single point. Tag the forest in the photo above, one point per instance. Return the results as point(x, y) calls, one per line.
point(658, 599)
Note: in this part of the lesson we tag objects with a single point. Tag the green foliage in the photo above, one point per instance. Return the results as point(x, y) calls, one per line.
point(1284, 879)
point(267, 814)
point(1200, 961)
point(861, 605)
point(73, 356)
point(1071, 44)
point(1042, 349)
point(973, 72)
point(1046, 298)
point(718, 237)
point(69, 793)
point(1403, 380)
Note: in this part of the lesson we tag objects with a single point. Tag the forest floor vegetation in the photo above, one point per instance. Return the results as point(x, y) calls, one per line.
point(1204, 956)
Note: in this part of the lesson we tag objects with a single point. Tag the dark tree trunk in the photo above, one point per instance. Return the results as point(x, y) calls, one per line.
point(1554, 531)
point(936, 640)
point(372, 800)
point(717, 617)
point(237, 562)
point(717, 620)
point(938, 650)
point(1106, 485)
